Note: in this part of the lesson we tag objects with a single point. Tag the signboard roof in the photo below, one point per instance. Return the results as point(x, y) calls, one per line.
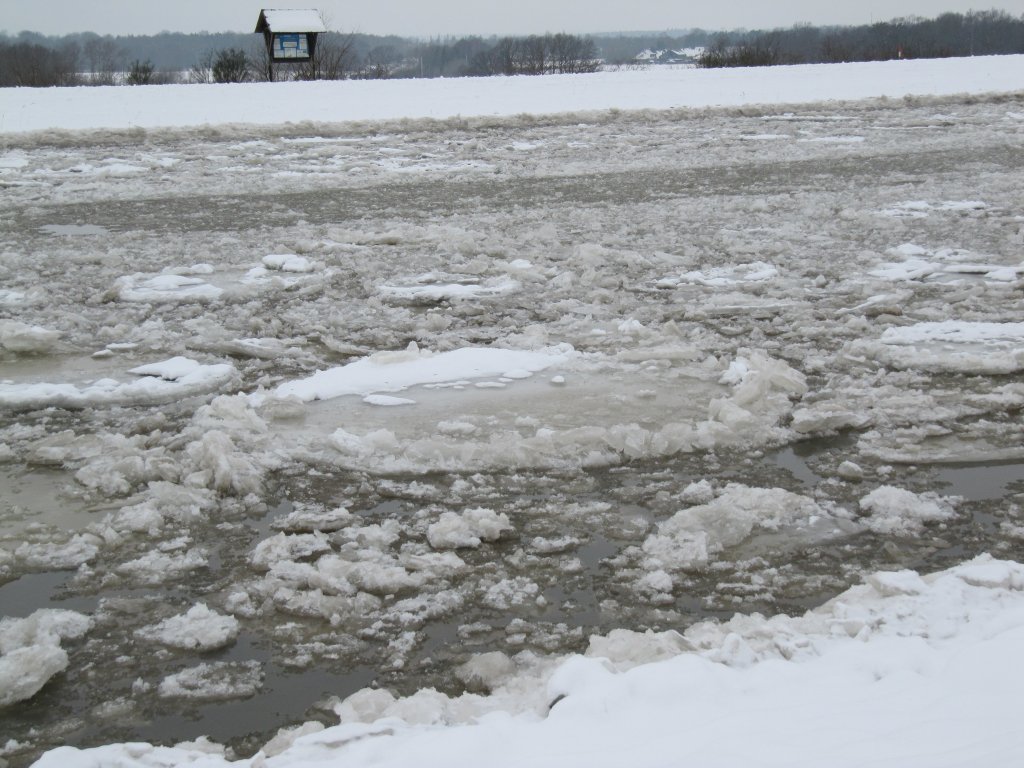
point(290, 20)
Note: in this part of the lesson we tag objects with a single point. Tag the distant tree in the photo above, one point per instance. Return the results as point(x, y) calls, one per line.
point(533, 55)
point(31, 65)
point(103, 58)
point(572, 54)
point(230, 65)
point(446, 57)
point(537, 55)
point(140, 73)
point(202, 70)
point(505, 57)
point(758, 51)
point(379, 62)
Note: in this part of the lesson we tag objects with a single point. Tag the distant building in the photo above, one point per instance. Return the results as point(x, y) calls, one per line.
point(685, 56)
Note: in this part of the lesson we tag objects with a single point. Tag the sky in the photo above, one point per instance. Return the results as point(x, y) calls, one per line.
point(429, 18)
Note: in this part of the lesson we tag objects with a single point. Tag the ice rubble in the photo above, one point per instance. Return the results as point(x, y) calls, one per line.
point(288, 262)
point(918, 669)
point(453, 530)
point(898, 511)
point(199, 628)
point(31, 653)
point(691, 538)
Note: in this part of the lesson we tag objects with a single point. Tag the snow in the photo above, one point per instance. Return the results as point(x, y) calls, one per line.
point(397, 371)
point(37, 109)
point(381, 417)
point(293, 20)
point(957, 332)
point(952, 345)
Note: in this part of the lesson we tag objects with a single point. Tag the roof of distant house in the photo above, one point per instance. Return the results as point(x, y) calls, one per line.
point(290, 20)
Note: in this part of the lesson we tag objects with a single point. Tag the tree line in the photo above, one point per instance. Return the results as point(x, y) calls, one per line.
point(30, 59)
point(950, 34)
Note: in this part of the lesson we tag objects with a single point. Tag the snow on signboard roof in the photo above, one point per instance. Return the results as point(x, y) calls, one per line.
point(290, 20)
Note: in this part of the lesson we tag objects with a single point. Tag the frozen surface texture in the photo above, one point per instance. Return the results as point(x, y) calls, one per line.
point(569, 423)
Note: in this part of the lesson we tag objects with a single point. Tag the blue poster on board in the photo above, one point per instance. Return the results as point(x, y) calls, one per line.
point(291, 46)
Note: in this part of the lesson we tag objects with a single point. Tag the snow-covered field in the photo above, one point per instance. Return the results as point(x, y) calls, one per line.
point(638, 418)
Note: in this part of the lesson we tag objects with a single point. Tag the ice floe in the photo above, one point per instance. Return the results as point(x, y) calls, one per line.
point(950, 345)
point(693, 537)
point(199, 628)
point(159, 382)
point(213, 681)
point(31, 653)
point(20, 337)
point(165, 288)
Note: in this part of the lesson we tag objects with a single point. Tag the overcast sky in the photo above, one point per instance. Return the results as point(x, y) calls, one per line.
point(426, 18)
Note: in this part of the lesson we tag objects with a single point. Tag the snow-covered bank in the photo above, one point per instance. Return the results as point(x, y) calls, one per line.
point(908, 670)
point(70, 109)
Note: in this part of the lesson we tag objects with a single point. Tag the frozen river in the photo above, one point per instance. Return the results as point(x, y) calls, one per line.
point(633, 372)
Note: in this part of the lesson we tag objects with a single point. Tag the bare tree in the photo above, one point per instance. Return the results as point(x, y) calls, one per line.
point(505, 57)
point(333, 58)
point(537, 55)
point(533, 56)
point(202, 70)
point(572, 54)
